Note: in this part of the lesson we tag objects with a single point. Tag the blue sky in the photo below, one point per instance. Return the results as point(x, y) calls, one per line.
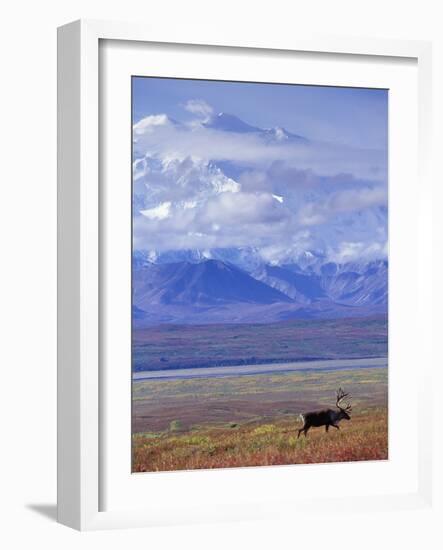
point(352, 116)
point(200, 181)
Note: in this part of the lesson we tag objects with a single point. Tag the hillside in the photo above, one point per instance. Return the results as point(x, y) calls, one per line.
point(205, 291)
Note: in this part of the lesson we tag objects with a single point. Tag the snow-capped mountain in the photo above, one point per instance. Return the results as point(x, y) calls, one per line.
point(245, 258)
point(230, 123)
point(225, 211)
point(357, 284)
point(225, 183)
point(304, 288)
point(352, 283)
point(188, 180)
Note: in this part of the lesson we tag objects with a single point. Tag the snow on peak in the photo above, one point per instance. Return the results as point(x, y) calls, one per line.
point(152, 256)
point(160, 212)
point(230, 123)
point(280, 134)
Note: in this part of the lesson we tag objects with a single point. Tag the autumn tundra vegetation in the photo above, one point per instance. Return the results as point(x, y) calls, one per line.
point(254, 420)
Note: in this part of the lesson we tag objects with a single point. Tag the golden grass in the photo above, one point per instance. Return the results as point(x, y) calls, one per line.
point(365, 437)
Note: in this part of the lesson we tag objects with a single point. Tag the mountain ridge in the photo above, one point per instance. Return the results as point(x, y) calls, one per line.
point(207, 283)
point(214, 291)
point(227, 122)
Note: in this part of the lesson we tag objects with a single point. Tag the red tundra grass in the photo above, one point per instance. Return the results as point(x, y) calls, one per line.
point(365, 437)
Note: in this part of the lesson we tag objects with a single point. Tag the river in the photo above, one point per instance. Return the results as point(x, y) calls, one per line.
point(272, 368)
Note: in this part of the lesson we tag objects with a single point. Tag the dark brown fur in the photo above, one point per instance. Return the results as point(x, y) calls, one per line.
point(326, 417)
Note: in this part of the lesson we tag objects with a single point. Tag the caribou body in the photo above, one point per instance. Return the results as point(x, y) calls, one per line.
point(327, 417)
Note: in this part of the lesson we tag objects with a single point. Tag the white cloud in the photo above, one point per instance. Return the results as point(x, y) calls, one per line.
point(250, 150)
point(285, 250)
point(281, 197)
point(353, 251)
point(200, 108)
point(223, 220)
point(353, 200)
point(149, 123)
point(243, 208)
point(189, 204)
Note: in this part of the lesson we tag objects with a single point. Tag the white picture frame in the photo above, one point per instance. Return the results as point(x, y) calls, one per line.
point(80, 205)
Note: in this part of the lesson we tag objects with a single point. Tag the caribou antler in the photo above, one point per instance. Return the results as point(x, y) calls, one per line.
point(340, 396)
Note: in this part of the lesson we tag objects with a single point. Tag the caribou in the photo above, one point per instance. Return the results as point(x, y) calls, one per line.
point(327, 417)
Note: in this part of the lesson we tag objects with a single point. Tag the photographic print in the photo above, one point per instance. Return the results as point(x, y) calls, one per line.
point(259, 274)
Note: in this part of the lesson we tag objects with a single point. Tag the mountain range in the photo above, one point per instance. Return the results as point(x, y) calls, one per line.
point(198, 290)
point(227, 122)
point(306, 210)
point(226, 184)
